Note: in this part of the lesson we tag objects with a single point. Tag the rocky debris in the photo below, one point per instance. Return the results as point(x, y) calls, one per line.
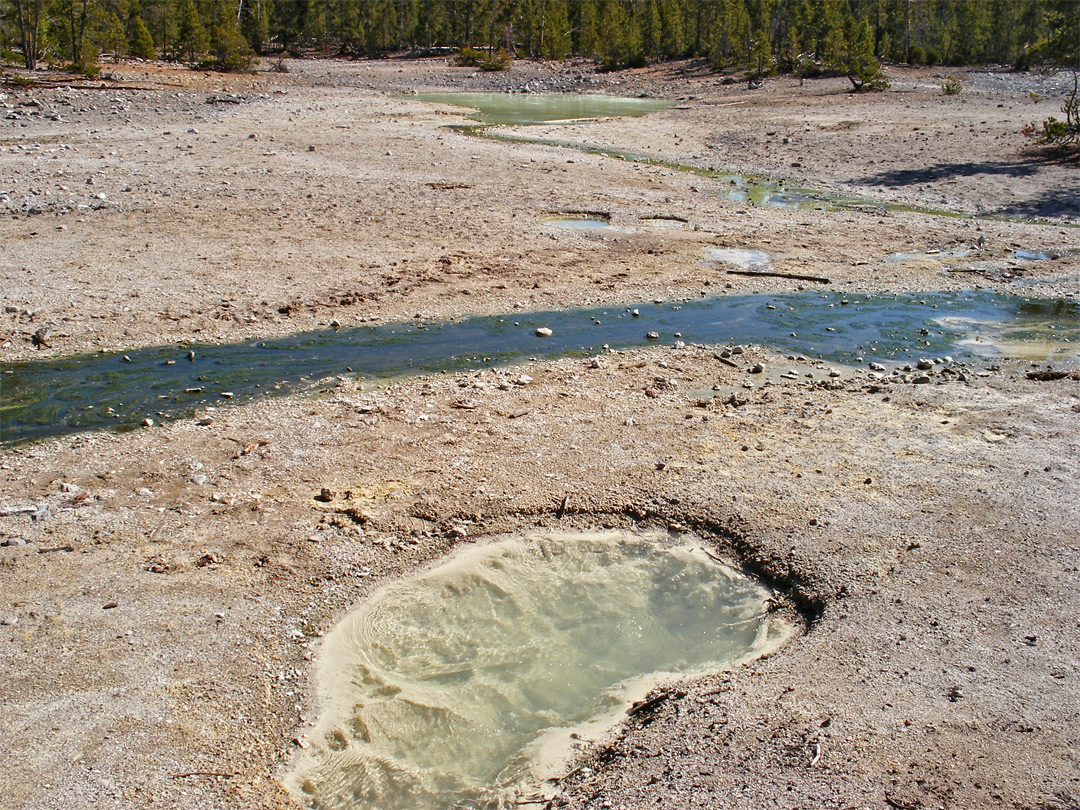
point(1049, 375)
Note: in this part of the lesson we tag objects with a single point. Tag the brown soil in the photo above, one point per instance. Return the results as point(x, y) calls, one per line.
point(160, 623)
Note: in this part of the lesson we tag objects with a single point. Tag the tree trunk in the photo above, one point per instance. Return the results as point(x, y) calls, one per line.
point(78, 29)
point(29, 14)
point(543, 20)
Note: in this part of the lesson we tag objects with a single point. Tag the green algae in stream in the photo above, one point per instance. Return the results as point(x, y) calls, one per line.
point(60, 396)
point(759, 190)
point(448, 688)
point(523, 109)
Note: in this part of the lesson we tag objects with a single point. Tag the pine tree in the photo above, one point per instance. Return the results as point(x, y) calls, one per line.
point(255, 24)
point(110, 33)
point(230, 50)
point(140, 43)
point(555, 42)
point(191, 38)
point(859, 63)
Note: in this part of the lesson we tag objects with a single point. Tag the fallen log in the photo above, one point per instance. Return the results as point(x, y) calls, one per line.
point(1049, 375)
point(775, 274)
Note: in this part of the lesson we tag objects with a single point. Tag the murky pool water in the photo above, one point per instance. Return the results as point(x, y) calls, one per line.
point(448, 688)
point(63, 395)
point(537, 108)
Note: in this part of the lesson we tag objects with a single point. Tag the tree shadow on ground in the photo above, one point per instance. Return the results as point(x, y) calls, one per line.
point(943, 171)
point(1050, 204)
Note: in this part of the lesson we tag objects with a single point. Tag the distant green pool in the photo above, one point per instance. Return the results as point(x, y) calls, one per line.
point(537, 108)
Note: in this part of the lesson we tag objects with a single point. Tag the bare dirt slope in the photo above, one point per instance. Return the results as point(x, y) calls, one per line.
point(162, 604)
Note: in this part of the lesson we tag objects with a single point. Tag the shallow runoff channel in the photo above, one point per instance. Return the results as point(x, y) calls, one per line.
point(468, 685)
point(59, 396)
point(524, 109)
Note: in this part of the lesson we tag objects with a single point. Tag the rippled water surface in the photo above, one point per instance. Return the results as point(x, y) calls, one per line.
point(447, 689)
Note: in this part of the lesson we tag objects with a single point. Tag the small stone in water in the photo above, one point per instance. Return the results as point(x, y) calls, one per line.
point(543, 331)
point(652, 335)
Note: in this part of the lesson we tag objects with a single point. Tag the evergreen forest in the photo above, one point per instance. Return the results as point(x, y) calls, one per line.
point(760, 36)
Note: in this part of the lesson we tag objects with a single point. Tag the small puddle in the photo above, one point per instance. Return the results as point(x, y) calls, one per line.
point(63, 395)
point(453, 687)
point(523, 109)
point(741, 258)
point(1035, 255)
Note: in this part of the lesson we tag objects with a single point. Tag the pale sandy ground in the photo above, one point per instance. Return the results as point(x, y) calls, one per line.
point(930, 530)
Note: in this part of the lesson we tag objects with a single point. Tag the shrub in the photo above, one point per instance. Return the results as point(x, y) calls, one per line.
point(15, 80)
point(952, 86)
point(495, 61)
point(87, 69)
point(1064, 133)
point(474, 57)
point(612, 62)
point(468, 57)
